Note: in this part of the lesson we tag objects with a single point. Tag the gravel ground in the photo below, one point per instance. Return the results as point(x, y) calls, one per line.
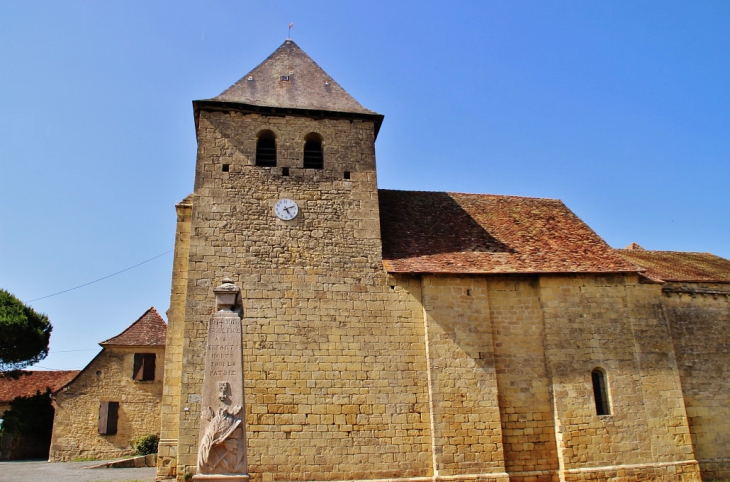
point(40, 470)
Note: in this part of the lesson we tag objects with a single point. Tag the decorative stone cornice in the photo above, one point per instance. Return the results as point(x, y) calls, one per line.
point(693, 292)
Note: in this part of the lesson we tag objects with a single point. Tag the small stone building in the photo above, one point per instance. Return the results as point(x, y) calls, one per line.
point(115, 398)
point(426, 336)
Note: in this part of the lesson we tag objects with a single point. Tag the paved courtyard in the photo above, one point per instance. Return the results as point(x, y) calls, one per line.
point(40, 470)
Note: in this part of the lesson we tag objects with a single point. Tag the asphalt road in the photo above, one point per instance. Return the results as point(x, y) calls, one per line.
point(40, 470)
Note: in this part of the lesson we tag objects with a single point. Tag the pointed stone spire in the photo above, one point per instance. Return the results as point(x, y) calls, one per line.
point(290, 79)
point(634, 247)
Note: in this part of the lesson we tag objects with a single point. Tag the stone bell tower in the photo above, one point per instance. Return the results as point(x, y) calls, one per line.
point(286, 206)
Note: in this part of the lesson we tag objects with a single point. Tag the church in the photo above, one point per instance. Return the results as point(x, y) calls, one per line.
point(423, 336)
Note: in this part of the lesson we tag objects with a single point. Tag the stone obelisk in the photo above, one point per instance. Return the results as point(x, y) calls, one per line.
point(222, 442)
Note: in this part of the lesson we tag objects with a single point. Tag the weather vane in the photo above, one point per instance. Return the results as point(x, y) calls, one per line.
point(290, 26)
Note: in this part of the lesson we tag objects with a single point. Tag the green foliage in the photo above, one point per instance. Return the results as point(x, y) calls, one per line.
point(84, 459)
point(24, 334)
point(145, 445)
point(29, 415)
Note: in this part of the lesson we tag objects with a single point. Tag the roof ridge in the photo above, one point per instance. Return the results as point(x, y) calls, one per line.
point(120, 337)
point(667, 251)
point(291, 79)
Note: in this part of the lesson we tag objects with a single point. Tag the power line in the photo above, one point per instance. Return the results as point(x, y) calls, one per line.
point(100, 279)
point(69, 351)
point(56, 369)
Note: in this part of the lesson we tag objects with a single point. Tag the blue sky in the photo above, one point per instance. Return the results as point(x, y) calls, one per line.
point(621, 109)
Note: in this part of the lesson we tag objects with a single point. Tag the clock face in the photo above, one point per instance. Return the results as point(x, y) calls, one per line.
point(286, 209)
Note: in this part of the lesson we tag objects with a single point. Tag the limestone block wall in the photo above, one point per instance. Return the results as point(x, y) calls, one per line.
point(107, 378)
point(590, 322)
point(170, 409)
point(525, 401)
point(700, 329)
point(334, 356)
point(467, 434)
point(660, 382)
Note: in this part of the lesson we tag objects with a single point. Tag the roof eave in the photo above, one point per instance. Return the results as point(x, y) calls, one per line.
point(514, 272)
point(115, 345)
point(216, 105)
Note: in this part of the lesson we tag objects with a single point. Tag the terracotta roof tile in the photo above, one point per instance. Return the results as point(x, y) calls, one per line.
point(439, 232)
point(307, 87)
point(149, 330)
point(31, 381)
point(679, 266)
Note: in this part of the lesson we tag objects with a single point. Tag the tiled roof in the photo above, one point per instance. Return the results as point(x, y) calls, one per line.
point(439, 232)
point(29, 382)
point(307, 87)
point(149, 330)
point(679, 266)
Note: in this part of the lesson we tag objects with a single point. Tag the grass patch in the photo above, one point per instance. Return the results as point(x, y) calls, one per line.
point(85, 459)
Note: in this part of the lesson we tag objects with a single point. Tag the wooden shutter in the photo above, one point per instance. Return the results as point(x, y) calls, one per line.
point(148, 371)
point(137, 372)
point(113, 414)
point(103, 417)
point(108, 414)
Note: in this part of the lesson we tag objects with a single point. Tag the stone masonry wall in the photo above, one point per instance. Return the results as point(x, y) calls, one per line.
point(75, 425)
point(700, 328)
point(525, 400)
point(334, 357)
point(170, 410)
point(590, 322)
point(467, 431)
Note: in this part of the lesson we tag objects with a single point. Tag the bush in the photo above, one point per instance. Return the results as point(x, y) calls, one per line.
point(29, 415)
point(145, 445)
point(27, 426)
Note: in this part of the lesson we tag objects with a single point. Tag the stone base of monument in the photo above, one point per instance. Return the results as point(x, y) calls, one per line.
point(221, 477)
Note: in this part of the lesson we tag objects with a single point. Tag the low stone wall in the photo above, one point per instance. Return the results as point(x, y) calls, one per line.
point(130, 463)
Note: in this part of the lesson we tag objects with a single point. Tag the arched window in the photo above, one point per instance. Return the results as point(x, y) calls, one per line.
point(313, 158)
point(600, 392)
point(266, 149)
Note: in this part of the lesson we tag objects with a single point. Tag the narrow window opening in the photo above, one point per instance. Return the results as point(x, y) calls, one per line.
point(392, 287)
point(313, 156)
point(600, 392)
point(347, 175)
point(468, 292)
point(284, 171)
point(225, 167)
point(266, 149)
